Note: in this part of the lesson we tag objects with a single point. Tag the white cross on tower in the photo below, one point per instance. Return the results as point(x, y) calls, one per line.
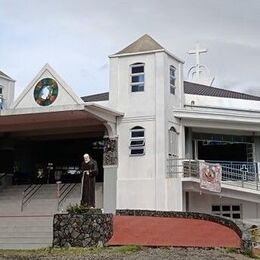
point(197, 52)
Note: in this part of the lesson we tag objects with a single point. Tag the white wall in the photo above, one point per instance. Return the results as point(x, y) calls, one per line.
point(65, 95)
point(203, 203)
point(7, 91)
point(142, 180)
point(220, 102)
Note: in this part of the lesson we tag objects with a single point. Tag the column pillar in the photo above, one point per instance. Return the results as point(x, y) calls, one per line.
point(110, 162)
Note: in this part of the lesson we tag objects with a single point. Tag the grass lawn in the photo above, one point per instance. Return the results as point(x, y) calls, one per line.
point(73, 251)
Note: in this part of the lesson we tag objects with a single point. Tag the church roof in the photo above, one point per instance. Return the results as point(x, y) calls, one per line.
point(4, 75)
point(189, 88)
point(203, 90)
point(96, 97)
point(144, 43)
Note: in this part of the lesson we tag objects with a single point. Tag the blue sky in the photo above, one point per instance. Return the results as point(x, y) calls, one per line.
point(76, 36)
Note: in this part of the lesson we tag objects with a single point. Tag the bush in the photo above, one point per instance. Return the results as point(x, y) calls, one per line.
point(79, 209)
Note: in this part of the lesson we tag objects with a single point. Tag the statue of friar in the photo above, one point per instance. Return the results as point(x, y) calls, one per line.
point(89, 172)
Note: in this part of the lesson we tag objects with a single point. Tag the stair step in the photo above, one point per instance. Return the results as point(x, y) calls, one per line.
point(24, 245)
point(32, 235)
point(24, 229)
point(16, 240)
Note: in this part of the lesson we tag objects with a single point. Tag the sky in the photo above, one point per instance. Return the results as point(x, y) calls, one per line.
point(76, 37)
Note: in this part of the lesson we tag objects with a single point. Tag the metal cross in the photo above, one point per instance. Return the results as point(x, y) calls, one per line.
point(197, 52)
point(244, 170)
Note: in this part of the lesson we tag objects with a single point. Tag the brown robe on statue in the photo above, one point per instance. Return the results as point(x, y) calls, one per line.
point(88, 183)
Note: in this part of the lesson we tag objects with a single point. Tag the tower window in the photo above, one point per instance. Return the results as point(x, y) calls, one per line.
point(172, 80)
point(137, 141)
point(137, 77)
point(173, 142)
point(1, 98)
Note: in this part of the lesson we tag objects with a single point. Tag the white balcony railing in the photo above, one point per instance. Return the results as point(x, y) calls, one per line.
point(242, 174)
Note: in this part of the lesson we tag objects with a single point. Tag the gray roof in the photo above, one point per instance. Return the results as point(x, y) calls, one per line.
point(198, 89)
point(4, 75)
point(189, 88)
point(97, 97)
point(145, 43)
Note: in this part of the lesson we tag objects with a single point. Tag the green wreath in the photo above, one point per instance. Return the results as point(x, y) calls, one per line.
point(45, 92)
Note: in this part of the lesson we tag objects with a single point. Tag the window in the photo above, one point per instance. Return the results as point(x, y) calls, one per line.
point(172, 80)
point(1, 98)
point(137, 141)
point(229, 211)
point(137, 77)
point(173, 142)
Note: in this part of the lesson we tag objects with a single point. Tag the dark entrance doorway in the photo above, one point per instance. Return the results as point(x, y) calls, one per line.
point(37, 161)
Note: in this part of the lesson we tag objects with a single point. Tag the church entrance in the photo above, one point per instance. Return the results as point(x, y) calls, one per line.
point(49, 147)
point(46, 161)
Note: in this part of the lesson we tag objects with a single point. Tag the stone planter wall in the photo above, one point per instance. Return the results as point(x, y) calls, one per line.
point(81, 230)
point(240, 228)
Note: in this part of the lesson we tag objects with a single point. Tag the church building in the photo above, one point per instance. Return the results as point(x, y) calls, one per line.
point(148, 134)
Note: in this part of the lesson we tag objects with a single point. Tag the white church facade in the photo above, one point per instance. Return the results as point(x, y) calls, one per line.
point(148, 134)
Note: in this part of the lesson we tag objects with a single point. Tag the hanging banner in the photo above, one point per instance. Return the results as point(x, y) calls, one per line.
point(210, 176)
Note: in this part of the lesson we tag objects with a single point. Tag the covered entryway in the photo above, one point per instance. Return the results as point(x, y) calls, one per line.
point(33, 147)
point(41, 148)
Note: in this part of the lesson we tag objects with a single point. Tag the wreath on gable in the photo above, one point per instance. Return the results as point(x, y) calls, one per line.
point(45, 92)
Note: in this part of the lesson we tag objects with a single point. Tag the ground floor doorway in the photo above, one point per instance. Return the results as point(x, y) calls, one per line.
point(43, 161)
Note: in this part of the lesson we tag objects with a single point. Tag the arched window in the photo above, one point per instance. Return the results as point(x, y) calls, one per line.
point(172, 80)
point(137, 77)
point(1, 97)
point(173, 142)
point(137, 141)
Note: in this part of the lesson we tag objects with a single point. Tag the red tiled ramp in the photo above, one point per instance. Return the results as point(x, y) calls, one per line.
point(160, 231)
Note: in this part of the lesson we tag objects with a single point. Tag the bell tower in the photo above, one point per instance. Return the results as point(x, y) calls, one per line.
point(6, 91)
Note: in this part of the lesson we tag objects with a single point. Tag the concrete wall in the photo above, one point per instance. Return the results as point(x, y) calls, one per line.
point(63, 98)
point(220, 102)
point(7, 91)
point(142, 182)
point(110, 189)
point(202, 203)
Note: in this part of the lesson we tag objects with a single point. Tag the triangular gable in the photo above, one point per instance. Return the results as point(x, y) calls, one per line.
point(38, 94)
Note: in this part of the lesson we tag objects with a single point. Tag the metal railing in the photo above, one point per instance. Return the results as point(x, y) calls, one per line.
point(28, 193)
point(63, 192)
point(242, 174)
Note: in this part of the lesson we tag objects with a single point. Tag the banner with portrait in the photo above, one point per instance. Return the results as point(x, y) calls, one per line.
point(210, 176)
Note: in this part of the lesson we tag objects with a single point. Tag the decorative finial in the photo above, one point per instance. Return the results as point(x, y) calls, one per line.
point(199, 73)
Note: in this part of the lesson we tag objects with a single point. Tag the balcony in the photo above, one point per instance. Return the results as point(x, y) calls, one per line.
point(241, 174)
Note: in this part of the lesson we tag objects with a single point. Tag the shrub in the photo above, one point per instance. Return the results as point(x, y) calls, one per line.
point(79, 209)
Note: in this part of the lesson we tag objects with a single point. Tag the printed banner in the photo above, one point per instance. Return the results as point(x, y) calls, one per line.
point(210, 176)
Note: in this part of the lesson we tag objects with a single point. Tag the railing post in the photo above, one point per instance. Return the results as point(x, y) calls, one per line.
point(190, 175)
point(58, 183)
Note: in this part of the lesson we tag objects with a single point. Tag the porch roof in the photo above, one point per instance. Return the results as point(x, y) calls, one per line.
point(87, 118)
point(217, 118)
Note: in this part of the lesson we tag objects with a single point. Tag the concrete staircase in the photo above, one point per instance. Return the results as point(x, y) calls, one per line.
point(22, 232)
point(32, 227)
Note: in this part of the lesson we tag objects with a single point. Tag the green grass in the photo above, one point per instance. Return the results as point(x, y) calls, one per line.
point(72, 251)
